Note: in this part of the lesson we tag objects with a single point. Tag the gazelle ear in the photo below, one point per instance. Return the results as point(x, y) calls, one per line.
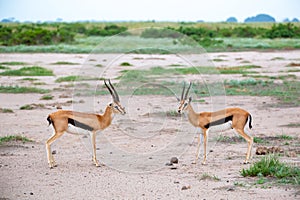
point(190, 99)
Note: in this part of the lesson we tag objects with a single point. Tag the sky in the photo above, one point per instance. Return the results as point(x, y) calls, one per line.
point(139, 10)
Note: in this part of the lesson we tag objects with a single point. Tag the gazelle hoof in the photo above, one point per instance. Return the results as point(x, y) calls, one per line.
point(246, 162)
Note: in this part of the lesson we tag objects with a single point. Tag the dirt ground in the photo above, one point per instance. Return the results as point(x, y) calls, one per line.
point(134, 150)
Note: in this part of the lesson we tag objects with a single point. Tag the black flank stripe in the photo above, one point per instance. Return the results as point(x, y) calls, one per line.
point(218, 122)
point(79, 124)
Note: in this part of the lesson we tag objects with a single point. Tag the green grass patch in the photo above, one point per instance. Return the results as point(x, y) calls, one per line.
point(29, 79)
point(3, 67)
point(285, 137)
point(292, 125)
point(17, 89)
point(125, 64)
point(47, 97)
point(6, 110)
point(13, 63)
point(270, 166)
point(32, 106)
point(238, 69)
point(287, 92)
point(28, 71)
point(278, 58)
point(259, 140)
point(207, 176)
point(64, 63)
point(76, 78)
point(11, 138)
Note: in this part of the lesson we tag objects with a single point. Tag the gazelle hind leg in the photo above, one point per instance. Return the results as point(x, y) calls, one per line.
point(249, 140)
point(51, 161)
point(93, 140)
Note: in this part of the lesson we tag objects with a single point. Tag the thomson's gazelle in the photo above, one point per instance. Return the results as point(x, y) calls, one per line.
point(229, 118)
point(62, 119)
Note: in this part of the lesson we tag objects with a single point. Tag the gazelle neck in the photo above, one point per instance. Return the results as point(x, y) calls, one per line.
point(192, 115)
point(107, 117)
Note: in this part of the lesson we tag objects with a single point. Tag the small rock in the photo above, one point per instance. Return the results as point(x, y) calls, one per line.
point(173, 168)
point(186, 187)
point(58, 107)
point(169, 164)
point(174, 160)
point(292, 154)
point(31, 193)
point(53, 152)
point(230, 189)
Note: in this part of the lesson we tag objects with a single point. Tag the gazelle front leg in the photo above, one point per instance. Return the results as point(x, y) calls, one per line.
point(93, 140)
point(204, 146)
point(51, 161)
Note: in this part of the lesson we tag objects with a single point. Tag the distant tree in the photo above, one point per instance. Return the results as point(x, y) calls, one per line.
point(232, 19)
point(295, 20)
point(260, 18)
point(286, 20)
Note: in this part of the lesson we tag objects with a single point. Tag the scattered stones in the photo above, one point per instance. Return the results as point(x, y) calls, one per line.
point(262, 150)
point(186, 187)
point(174, 160)
point(53, 152)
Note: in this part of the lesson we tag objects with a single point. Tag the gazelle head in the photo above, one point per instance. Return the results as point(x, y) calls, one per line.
point(184, 101)
point(115, 105)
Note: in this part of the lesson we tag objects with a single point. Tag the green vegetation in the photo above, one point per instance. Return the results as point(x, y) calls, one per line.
point(207, 176)
point(6, 110)
point(125, 64)
point(29, 79)
point(28, 71)
point(270, 166)
point(32, 106)
point(10, 138)
point(75, 78)
point(64, 63)
point(288, 92)
point(174, 37)
point(285, 137)
point(47, 97)
point(13, 63)
point(17, 89)
point(3, 67)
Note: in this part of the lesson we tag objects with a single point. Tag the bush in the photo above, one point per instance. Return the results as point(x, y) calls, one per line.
point(106, 31)
point(33, 35)
point(283, 31)
point(160, 33)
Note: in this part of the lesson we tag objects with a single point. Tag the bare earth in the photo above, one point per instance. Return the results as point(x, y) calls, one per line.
point(136, 147)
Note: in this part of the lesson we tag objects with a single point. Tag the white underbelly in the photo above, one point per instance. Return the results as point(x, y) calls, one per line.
point(74, 130)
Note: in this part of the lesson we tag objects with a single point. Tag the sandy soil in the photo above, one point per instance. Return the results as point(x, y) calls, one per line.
point(135, 148)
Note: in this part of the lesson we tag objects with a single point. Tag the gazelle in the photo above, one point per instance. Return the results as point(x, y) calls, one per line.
point(65, 120)
point(229, 118)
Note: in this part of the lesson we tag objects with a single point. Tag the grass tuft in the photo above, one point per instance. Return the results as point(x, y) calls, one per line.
point(64, 63)
point(10, 138)
point(270, 166)
point(28, 71)
point(47, 97)
point(17, 89)
point(13, 63)
point(6, 110)
point(125, 64)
